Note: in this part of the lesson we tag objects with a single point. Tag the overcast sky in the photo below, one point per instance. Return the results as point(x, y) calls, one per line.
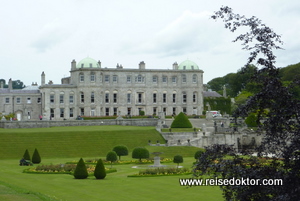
point(37, 36)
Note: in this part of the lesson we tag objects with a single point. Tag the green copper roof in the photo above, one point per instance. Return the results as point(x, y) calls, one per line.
point(188, 65)
point(88, 63)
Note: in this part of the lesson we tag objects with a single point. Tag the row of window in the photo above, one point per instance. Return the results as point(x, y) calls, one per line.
point(108, 111)
point(19, 100)
point(140, 97)
point(138, 78)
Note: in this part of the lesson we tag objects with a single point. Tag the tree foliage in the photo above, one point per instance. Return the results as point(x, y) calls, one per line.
point(121, 150)
point(178, 159)
point(36, 158)
point(181, 121)
point(112, 157)
point(80, 170)
point(26, 155)
point(100, 172)
point(140, 153)
point(281, 126)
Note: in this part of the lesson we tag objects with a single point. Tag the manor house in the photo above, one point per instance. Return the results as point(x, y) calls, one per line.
point(93, 90)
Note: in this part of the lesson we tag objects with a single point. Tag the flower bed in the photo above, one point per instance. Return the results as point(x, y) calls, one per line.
point(121, 162)
point(62, 169)
point(162, 172)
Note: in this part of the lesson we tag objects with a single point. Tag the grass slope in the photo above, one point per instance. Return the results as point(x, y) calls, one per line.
point(73, 141)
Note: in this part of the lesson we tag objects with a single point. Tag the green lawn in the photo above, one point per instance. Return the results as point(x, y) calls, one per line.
point(60, 145)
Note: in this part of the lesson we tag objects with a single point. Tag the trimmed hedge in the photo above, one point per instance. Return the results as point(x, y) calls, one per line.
point(181, 121)
point(99, 172)
point(81, 171)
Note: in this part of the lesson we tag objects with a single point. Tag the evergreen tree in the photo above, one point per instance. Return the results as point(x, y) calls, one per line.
point(181, 121)
point(80, 170)
point(112, 157)
point(178, 159)
point(26, 155)
point(100, 170)
point(139, 153)
point(36, 158)
point(121, 151)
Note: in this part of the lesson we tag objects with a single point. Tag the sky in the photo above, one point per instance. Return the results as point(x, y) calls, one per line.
point(37, 36)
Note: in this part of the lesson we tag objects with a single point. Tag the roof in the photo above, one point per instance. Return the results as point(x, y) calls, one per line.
point(88, 63)
point(211, 94)
point(188, 65)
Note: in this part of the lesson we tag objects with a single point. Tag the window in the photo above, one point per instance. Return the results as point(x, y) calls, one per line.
point(184, 110)
point(115, 97)
point(154, 97)
point(164, 79)
point(81, 97)
point(51, 98)
point(115, 78)
point(154, 110)
point(128, 98)
point(128, 78)
point(29, 100)
point(18, 100)
point(174, 98)
point(129, 111)
point(81, 111)
point(71, 99)
point(194, 78)
point(93, 112)
point(81, 77)
point(106, 111)
point(92, 97)
point(165, 110)
point(6, 100)
point(184, 97)
point(174, 111)
point(51, 113)
point(91, 65)
point(194, 97)
point(106, 97)
point(139, 78)
point(164, 97)
point(174, 79)
point(184, 78)
point(62, 112)
point(106, 78)
point(154, 79)
point(71, 112)
point(115, 111)
point(61, 98)
point(140, 96)
point(92, 77)
point(38, 100)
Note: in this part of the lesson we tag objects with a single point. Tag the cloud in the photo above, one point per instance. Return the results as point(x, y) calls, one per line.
point(50, 35)
point(189, 33)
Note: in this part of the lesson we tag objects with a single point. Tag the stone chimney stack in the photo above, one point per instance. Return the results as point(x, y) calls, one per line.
point(73, 65)
point(142, 65)
point(43, 79)
point(175, 66)
point(10, 84)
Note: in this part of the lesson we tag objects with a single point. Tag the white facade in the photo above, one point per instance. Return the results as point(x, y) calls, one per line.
point(95, 91)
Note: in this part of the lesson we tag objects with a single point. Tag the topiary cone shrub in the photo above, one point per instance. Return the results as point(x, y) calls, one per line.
point(26, 155)
point(181, 121)
point(100, 172)
point(80, 170)
point(36, 158)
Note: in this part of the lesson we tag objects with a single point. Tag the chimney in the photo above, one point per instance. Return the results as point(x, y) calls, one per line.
point(175, 66)
point(10, 84)
point(73, 65)
point(43, 78)
point(142, 65)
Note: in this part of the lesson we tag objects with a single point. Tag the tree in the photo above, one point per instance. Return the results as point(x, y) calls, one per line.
point(139, 153)
point(181, 121)
point(100, 172)
point(280, 128)
point(198, 154)
point(80, 170)
point(36, 158)
point(121, 151)
point(112, 157)
point(26, 155)
point(178, 159)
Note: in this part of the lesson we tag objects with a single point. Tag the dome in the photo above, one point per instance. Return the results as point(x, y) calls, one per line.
point(88, 63)
point(188, 65)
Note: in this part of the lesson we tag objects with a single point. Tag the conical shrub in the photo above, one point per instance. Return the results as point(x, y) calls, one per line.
point(80, 170)
point(36, 158)
point(181, 121)
point(26, 155)
point(100, 172)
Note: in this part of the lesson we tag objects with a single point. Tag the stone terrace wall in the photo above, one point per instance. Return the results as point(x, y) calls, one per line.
point(46, 124)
